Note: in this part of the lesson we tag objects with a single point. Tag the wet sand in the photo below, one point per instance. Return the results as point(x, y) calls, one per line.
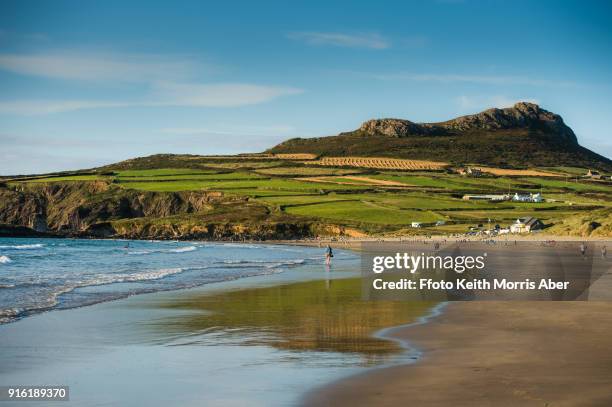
point(494, 354)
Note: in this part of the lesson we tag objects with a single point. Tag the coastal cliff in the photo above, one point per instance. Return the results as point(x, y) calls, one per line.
point(103, 210)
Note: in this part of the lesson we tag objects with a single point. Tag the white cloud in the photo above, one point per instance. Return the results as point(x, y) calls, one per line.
point(218, 95)
point(168, 81)
point(166, 94)
point(34, 107)
point(72, 65)
point(363, 40)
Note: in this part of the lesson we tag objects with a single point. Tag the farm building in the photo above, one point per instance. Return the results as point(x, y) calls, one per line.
point(527, 197)
point(526, 225)
point(593, 174)
point(470, 171)
point(416, 224)
point(486, 197)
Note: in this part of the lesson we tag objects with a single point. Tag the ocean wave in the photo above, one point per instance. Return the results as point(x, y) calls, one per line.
point(183, 249)
point(267, 264)
point(177, 250)
point(5, 259)
point(105, 279)
point(23, 246)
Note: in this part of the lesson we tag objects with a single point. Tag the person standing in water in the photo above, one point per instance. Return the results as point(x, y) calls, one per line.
point(328, 255)
point(604, 251)
point(582, 248)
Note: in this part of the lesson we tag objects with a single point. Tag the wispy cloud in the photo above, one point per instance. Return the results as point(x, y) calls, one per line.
point(166, 94)
point(218, 95)
point(337, 39)
point(36, 107)
point(72, 65)
point(162, 81)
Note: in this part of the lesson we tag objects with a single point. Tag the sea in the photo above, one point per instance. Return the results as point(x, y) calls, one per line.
point(42, 274)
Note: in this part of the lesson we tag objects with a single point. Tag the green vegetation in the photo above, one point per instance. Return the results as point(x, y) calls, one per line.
point(307, 171)
point(280, 187)
point(69, 178)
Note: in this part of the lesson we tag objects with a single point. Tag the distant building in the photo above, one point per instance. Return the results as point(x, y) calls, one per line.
point(486, 197)
point(473, 172)
point(593, 174)
point(528, 197)
point(526, 225)
point(416, 224)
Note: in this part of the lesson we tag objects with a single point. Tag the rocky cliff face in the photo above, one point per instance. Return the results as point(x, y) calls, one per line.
point(74, 208)
point(103, 210)
point(522, 115)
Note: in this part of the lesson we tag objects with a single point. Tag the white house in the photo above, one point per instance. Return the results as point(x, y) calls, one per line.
point(528, 197)
point(416, 224)
point(526, 225)
point(593, 174)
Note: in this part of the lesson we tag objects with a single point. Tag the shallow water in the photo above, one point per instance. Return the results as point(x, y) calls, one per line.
point(263, 340)
point(43, 274)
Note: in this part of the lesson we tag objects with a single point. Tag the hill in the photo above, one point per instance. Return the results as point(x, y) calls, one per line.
point(524, 135)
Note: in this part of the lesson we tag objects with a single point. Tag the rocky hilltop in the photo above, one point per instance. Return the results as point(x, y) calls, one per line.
point(519, 136)
point(522, 115)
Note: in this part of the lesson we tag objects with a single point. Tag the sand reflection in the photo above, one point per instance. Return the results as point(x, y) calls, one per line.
point(306, 316)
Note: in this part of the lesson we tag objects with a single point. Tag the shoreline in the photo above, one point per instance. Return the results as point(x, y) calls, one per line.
point(124, 321)
point(432, 356)
point(493, 353)
point(57, 306)
point(331, 239)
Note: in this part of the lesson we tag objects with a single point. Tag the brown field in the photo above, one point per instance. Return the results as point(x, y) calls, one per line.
point(380, 163)
point(518, 173)
point(303, 156)
point(354, 180)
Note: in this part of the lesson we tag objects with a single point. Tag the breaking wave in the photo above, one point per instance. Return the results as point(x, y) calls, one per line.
point(23, 246)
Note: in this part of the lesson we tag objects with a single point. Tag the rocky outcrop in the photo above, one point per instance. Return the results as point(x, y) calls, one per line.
point(217, 231)
point(394, 127)
point(74, 208)
point(521, 136)
point(522, 115)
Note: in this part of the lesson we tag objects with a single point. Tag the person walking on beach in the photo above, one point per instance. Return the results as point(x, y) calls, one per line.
point(604, 251)
point(582, 249)
point(328, 255)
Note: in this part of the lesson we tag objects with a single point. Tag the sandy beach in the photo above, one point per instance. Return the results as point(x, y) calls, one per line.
point(494, 354)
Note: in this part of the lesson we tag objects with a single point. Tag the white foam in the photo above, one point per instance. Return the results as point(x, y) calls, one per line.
point(23, 246)
point(177, 250)
point(142, 276)
point(5, 259)
point(183, 249)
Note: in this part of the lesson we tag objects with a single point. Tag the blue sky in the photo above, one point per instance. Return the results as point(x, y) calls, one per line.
point(90, 83)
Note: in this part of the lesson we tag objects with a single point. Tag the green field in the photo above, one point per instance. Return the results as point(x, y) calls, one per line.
point(428, 197)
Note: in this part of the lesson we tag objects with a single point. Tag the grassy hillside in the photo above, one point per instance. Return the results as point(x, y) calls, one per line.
point(517, 148)
point(265, 197)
